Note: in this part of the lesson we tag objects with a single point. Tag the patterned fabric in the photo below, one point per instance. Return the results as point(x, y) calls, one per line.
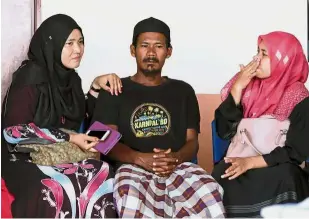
point(17, 133)
point(289, 72)
point(188, 191)
point(57, 153)
point(73, 190)
point(84, 186)
point(51, 152)
point(68, 190)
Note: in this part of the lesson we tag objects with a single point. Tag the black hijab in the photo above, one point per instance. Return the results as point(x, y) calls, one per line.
point(61, 98)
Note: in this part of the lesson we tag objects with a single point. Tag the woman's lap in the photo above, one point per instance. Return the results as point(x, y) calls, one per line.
point(71, 189)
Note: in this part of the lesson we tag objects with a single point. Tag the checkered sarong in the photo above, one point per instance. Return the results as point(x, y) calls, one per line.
point(188, 191)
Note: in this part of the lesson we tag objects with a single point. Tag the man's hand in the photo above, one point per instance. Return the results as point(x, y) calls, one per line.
point(146, 161)
point(165, 162)
point(162, 162)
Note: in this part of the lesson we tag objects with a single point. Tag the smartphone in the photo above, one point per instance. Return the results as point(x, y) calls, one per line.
point(108, 137)
point(100, 134)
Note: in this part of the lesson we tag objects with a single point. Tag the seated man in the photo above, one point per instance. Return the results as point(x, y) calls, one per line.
point(159, 119)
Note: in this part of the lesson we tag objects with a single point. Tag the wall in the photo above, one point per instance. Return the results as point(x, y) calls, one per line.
point(16, 32)
point(210, 39)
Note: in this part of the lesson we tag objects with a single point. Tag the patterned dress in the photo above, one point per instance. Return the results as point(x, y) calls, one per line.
point(73, 190)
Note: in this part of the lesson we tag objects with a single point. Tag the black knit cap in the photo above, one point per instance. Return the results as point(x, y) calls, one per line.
point(151, 25)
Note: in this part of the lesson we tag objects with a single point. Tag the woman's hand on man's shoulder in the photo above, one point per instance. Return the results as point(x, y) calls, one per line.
point(109, 82)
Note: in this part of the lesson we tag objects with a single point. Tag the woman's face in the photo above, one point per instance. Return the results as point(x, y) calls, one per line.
point(73, 50)
point(263, 70)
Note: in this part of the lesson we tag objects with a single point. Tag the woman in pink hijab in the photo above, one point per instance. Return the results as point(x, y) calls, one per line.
point(261, 110)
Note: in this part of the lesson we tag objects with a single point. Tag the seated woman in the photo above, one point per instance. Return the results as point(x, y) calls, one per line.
point(47, 91)
point(260, 167)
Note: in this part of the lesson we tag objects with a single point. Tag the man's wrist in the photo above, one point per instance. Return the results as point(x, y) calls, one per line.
point(136, 158)
point(179, 157)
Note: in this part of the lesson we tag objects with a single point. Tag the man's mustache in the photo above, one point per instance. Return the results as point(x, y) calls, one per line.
point(151, 60)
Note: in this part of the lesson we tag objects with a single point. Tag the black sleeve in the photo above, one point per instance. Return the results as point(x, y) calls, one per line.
point(227, 117)
point(59, 134)
point(25, 97)
point(90, 105)
point(296, 149)
point(193, 112)
point(106, 109)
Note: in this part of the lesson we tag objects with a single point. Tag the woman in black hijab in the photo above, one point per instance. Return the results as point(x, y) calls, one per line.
point(46, 90)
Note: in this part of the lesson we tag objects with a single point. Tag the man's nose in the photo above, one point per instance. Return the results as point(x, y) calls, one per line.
point(151, 51)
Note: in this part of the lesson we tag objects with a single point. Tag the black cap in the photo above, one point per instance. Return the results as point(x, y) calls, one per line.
point(151, 25)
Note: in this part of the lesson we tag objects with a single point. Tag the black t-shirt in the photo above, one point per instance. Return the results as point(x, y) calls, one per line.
point(150, 117)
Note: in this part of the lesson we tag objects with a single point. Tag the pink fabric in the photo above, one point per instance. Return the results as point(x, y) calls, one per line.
point(258, 136)
point(6, 201)
point(92, 186)
point(278, 94)
point(57, 192)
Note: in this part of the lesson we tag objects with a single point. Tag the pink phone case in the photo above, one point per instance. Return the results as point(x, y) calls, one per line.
point(105, 146)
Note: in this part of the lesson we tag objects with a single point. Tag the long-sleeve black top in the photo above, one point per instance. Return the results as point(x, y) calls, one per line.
point(296, 149)
point(21, 106)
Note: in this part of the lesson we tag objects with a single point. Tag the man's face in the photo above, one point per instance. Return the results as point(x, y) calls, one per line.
point(150, 52)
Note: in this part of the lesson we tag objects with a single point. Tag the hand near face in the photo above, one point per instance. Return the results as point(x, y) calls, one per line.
point(246, 74)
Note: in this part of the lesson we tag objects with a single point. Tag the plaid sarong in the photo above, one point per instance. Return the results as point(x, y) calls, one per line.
point(188, 191)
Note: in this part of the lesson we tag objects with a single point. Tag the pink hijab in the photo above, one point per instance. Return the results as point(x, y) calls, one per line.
point(278, 94)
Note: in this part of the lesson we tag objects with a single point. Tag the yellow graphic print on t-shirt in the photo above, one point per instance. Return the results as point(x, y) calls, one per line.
point(150, 119)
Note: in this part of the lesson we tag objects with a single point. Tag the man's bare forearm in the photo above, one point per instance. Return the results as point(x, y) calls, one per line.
point(123, 153)
point(188, 151)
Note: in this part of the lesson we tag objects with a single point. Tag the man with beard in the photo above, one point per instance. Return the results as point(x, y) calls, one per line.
point(159, 120)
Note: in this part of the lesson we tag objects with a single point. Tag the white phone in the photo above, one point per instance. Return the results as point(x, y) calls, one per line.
point(100, 134)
